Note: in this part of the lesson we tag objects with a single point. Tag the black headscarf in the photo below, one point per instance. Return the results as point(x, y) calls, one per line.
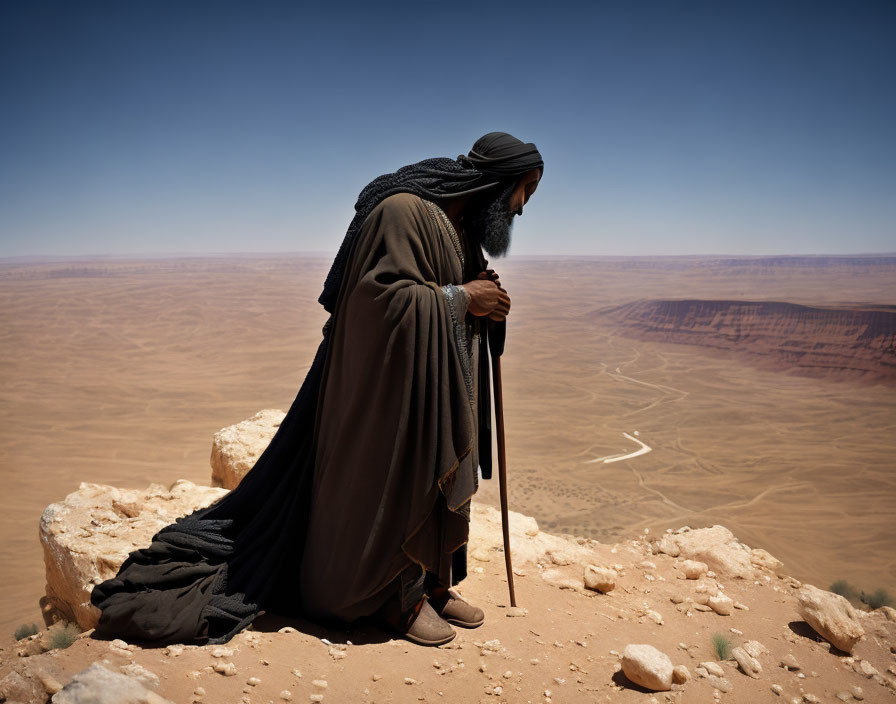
point(495, 158)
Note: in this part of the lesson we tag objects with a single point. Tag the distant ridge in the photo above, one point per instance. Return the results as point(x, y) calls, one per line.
point(830, 341)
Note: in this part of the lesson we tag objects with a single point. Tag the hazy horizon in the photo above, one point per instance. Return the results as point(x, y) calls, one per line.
point(319, 254)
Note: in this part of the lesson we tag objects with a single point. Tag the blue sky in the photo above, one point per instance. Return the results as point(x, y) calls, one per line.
point(666, 127)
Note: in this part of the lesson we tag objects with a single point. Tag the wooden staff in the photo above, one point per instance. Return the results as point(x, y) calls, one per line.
point(496, 345)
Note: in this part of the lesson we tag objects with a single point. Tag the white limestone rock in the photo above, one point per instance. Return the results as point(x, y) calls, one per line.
point(236, 448)
point(693, 569)
point(747, 663)
point(667, 545)
point(763, 560)
point(86, 536)
point(527, 542)
point(721, 604)
point(645, 665)
point(713, 668)
point(98, 685)
point(600, 579)
point(718, 548)
point(831, 616)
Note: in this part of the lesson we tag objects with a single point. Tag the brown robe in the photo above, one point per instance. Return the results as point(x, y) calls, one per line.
point(396, 428)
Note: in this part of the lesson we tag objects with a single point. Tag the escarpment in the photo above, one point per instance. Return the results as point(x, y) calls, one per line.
point(831, 341)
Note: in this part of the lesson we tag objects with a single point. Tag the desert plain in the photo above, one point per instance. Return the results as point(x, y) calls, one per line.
point(119, 371)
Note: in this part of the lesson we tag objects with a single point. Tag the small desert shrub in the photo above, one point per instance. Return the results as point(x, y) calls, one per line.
point(881, 597)
point(64, 637)
point(25, 630)
point(845, 589)
point(722, 645)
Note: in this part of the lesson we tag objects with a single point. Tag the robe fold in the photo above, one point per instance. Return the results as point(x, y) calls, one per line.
point(372, 468)
point(397, 456)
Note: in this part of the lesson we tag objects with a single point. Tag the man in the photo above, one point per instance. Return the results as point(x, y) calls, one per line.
point(397, 446)
point(360, 504)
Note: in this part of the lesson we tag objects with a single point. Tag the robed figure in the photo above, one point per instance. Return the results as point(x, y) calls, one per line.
point(360, 504)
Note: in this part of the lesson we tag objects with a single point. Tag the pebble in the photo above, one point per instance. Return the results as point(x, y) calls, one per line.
point(316, 697)
point(287, 629)
point(755, 648)
point(174, 650)
point(508, 674)
point(225, 668)
point(867, 669)
point(297, 673)
point(777, 689)
point(199, 691)
point(516, 611)
point(254, 681)
point(320, 684)
point(810, 698)
point(693, 569)
point(410, 680)
point(713, 668)
point(858, 693)
point(676, 599)
point(286, 694)
point(222, 652)
point(680, 674)
point(789, 662)
point(844, 696)
point(736, 631)
point(720, 683)
point(748, 664)
point(655, 617)
point(721, 604)
point(376, 677)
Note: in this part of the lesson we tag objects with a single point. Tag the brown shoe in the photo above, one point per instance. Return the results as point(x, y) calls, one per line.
point(449, 605)
point(422, 625)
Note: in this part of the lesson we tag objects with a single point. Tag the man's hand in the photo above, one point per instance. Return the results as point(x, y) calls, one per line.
point(487, 297)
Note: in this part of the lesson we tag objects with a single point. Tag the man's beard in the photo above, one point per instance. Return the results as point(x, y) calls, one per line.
point(490, 224)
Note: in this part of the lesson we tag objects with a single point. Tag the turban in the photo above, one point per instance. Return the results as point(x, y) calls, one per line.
point(503, 154)
point(495, 158)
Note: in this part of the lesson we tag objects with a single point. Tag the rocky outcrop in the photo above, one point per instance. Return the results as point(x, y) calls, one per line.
point(236, 448)
point(598, 619)
point(848, 342)
point(716, 548)
point(832, 617)
point(87, 535)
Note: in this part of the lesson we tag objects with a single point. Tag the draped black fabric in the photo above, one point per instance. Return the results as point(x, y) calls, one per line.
point(503, 155)
point(206, 576)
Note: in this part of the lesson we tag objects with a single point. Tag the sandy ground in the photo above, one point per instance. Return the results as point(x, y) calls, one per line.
point(120, 372)
point(565, 650)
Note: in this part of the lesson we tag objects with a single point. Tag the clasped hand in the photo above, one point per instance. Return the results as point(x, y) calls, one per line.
point(487, 296)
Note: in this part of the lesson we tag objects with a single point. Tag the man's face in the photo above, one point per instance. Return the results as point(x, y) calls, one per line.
point(491, 223)
point(524, 190)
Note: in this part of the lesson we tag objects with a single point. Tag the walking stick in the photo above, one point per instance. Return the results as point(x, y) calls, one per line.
point(497, 332)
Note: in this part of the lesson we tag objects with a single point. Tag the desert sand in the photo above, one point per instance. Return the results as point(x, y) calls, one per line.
point(118, 372)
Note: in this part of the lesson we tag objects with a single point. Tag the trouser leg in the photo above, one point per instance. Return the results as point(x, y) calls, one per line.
point(410, 587)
